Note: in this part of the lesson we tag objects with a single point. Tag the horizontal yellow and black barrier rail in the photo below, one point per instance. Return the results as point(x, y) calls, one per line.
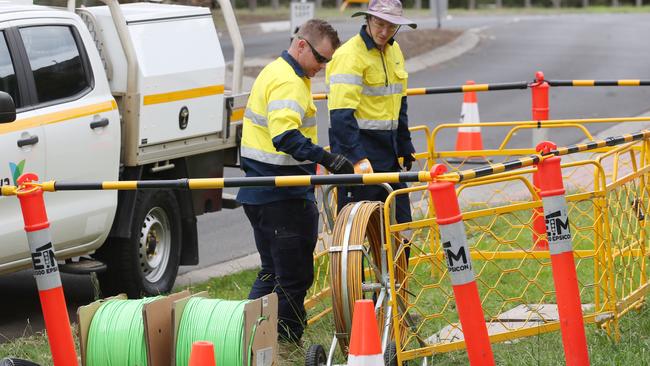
point(536, 158)
point(454, 89)
point(512, 86)
point(340, 179)
point(598, 82)
point(468, 88)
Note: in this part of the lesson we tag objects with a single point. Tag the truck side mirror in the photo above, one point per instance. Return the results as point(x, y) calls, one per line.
point(7, 108)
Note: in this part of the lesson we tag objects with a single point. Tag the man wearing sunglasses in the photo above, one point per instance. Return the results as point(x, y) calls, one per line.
point(279, 138)
point(367, 103)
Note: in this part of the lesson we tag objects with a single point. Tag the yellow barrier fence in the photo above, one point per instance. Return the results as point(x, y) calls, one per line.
point(608, 201)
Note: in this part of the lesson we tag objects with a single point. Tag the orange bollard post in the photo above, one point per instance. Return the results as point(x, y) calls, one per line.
point(365, 346)
point(46, 272)
point(540, 112)
point(562, 263)
point(202, 354)
point(459, 265)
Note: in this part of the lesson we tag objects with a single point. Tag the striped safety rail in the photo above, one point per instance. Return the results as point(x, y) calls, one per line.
point(512, 86)
point(342, 179)
point(598, 82)
point(454, 89)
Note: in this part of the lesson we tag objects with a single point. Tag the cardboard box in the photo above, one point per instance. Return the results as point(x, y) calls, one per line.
point(158, 328)
point(265, 345)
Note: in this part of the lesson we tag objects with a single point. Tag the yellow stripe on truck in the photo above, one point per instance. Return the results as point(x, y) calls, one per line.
point(56, 117)
point(183, 94)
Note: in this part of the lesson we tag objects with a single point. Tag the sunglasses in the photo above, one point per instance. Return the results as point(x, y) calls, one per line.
point(319, 58)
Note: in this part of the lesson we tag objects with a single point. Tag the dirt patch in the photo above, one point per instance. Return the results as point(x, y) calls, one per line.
point(413, 43)
point(419, 41)
point(252, 71)
point(245, 17)
point(248, 18)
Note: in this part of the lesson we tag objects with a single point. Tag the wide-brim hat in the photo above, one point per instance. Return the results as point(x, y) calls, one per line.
point(388, 10)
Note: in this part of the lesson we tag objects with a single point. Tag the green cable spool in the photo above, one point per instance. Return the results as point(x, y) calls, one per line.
point(218, 321)
point(116, 335)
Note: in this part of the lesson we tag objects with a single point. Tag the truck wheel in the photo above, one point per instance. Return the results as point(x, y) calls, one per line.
point(147, 262)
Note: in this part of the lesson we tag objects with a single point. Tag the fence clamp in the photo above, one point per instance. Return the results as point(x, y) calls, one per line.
point(436, 170)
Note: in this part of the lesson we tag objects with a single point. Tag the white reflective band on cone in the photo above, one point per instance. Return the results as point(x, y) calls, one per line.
point(469, 129)
point(370, 360)
point(46, 270)
point(557, 224)
point(469, 114)
point(454, 245)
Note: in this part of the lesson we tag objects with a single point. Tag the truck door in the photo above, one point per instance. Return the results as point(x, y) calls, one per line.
point(81, 123)
point(22, 148)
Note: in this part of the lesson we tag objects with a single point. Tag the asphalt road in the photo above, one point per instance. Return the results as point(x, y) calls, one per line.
point(602, 46)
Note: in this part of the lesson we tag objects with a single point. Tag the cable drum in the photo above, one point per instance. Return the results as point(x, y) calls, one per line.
point(116, 334)
point(358, 229)
point(218, 321)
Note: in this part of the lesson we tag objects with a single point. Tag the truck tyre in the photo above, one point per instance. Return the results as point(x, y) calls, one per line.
point(146, 264)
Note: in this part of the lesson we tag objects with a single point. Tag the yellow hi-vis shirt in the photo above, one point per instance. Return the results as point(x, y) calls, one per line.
point(365, 88)
point(279, 132)
point(279, 101)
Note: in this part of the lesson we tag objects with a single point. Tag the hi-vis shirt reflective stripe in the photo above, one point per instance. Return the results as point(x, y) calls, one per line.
point(261, 120)
point(280, 101)
point(270, 158)
point(379, 125)
point(373, 91)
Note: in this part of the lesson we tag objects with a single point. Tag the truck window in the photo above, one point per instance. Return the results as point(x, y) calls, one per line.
point(55, 61)
point(8, 81)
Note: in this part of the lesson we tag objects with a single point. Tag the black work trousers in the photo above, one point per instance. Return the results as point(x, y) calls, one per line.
point(285, 235)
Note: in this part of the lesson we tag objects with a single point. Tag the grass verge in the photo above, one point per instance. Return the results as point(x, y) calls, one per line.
point(544, 349)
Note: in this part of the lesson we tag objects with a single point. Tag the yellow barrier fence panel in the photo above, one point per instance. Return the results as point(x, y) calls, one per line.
point(627, 197)
point(515, 280)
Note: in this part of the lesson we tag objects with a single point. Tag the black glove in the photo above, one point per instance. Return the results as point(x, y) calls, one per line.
point(337, 163)
point(408, 162)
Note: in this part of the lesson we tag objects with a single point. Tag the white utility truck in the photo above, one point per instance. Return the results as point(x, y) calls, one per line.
point(116, 92)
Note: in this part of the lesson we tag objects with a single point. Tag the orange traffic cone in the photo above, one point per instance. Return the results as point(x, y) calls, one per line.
point(202, 354)
point(365, 346)
point(469, 138)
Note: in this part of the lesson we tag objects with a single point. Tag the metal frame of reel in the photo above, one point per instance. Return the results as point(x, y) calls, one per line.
point(381, 274)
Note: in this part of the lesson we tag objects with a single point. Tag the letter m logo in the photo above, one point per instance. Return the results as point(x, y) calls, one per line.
point(454, 257)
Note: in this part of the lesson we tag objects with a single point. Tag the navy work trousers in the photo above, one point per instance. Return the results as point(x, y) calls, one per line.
point(285, 235)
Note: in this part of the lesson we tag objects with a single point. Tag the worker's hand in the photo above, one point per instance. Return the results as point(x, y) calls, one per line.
point(363, 166)
point(337, 163)
point(407, 162)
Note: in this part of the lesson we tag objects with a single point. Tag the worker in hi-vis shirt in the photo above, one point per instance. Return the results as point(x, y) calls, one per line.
point(367, 84)
point(279, 138)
